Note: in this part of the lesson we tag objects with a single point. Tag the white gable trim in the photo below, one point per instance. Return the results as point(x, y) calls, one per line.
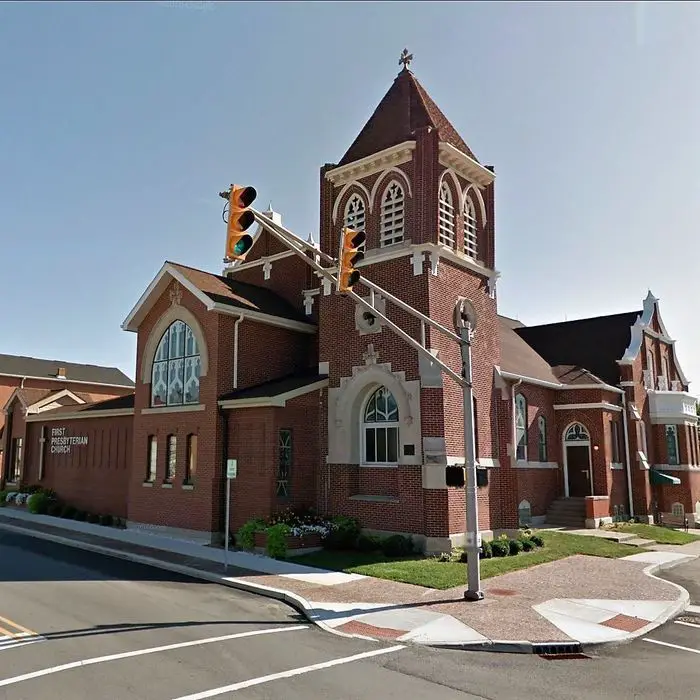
point(264, 318)
point(467, 167)
point(38, 405)
point(579, 406)
point(79, 415)
point(559, 386)
point(374, 163)
point(277, 401)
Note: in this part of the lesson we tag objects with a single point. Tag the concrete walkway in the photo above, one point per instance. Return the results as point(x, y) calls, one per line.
point(580, 600)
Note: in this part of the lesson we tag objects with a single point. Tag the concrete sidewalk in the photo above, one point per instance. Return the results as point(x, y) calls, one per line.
point(580, 600)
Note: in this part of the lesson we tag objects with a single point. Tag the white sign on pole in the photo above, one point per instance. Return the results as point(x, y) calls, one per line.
point(231, 468)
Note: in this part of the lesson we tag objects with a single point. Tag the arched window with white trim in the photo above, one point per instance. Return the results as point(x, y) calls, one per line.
point(576, 433)
point(176, 367)
point(470, 228)
point(380, 428)
point(392, 215)
point(446, 217)
point(355, 213)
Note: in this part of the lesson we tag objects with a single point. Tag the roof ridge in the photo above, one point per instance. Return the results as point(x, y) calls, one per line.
point(587, 318)
point(59, 362)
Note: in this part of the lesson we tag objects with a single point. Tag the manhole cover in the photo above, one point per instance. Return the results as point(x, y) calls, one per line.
point(502, 591)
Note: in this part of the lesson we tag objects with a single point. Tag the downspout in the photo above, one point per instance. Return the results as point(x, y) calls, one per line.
point(627, 454)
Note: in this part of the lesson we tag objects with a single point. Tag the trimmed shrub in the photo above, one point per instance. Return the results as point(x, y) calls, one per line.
point(537, 541)
point(500, 548)
point(93, 519)
point(246, 534)
point(106, 520)
point(528, 544)
point(368, 543)
point(38, 503)
point(343, 533)
point(486, 552)
point(277, 540)
point(515, 547)
point(80, 515)
point(397, 546)
point(68, 512)
point(54, 509)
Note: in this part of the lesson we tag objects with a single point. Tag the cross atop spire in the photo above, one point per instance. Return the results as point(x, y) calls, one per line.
point(405, 59)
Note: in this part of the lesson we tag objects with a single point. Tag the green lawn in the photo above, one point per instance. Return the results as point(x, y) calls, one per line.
point(432, 573)
point(662, 535)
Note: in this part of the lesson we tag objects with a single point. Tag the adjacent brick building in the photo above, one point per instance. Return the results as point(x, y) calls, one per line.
point(322, 405)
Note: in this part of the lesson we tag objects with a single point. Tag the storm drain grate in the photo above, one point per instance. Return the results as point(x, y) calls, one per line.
point(559, 651)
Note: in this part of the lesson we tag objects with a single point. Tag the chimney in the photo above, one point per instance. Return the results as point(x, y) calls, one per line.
point(61, 374)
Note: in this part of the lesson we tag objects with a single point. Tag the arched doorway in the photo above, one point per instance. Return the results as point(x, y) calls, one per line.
point(578, 475)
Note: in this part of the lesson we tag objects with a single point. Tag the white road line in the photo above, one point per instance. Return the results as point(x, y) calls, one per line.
point(693, 609)
point(674, 646)
point(141, 652)
point(687, 624)
point(17, 645)
point(287, 674)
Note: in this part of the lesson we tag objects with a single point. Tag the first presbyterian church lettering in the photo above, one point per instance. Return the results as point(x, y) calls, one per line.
point(62, 443)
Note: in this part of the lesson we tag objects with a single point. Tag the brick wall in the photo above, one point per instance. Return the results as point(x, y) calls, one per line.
point(92, 477)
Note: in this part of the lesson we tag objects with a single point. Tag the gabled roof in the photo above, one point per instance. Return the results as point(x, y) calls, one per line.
point(594, 343)
point(404, 109)
point(571, 375)
point(120, 405)
point(35, 368)
point(517, 357)
point(219, 293)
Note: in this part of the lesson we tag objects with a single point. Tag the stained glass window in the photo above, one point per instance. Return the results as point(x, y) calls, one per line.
point(176, 368)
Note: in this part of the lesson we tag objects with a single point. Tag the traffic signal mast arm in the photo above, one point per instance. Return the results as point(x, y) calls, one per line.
point(302, 249)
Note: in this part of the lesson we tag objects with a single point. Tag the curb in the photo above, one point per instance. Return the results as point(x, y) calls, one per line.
point(303, 606)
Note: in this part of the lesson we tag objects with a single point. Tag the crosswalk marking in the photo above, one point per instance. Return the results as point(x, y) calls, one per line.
point(14, 635)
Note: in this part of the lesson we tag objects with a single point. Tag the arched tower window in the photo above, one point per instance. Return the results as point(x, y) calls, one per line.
point(355, 213)
point(380, 428)
point(392, 221)
point(470, 227)
point(576, 433)
point(521, 428)
point(176, 367)
point(446, 217)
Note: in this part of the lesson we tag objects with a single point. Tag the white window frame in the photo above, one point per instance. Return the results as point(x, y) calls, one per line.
point(672, 429)
point(355, 213)
point(170, 458)
point(364, 425)
point(471, 243)
point(393, 215)
point(446, 216)
point(520, 428)
point(152, 466)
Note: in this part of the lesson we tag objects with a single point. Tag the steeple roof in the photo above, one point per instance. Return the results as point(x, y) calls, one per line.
point(404, 109)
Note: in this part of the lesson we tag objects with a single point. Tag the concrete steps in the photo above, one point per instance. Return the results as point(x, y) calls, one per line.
point(637, 542)
point(567, 512)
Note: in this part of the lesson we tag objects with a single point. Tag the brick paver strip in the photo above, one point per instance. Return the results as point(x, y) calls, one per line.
point(625, 623)
point(357, 627)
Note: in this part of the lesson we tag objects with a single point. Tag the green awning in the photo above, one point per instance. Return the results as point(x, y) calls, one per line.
point(662, 479)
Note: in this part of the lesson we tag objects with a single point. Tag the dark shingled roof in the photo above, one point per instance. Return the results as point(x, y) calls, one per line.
point(518, 357)
point(592, 343)
point(226, 290)
point(404, 109)
point(275, 387)
point(48, 369)
point(120, 402)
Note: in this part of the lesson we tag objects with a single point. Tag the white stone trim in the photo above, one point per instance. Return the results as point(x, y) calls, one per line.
point(265, 318)
point(372, 164)
point(678, 467)
point(521, 464)
point(111, 413)
point(48, 400)
point(405, 183)
point(467, 167)
point(479, 198)
point(184, 408)
point(557, 385)
point(481, 462)
point(279, 401)
point(341, 194)
point(604, 405)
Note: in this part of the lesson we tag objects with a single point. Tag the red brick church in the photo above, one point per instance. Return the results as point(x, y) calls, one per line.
point(577, 422)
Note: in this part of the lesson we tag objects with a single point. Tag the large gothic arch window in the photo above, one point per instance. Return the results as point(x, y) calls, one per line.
point(446, 217)
point(176, 368)
point(380, 428)
point(355, 213)
point(470, 229)
point(392, 215)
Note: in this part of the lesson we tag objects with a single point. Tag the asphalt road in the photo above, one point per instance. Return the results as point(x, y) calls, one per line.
point(76, 626)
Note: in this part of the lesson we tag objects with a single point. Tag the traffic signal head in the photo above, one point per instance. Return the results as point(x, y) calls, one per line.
point(240, 218)
point(350, 256)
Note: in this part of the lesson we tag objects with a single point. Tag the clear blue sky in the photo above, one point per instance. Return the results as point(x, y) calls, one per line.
point(119, 124)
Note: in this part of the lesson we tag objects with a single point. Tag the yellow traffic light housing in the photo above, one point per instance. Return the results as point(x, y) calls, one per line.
point(350, 255)
point(240, 218)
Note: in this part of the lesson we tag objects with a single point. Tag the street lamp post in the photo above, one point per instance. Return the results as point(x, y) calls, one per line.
point(466, 323)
